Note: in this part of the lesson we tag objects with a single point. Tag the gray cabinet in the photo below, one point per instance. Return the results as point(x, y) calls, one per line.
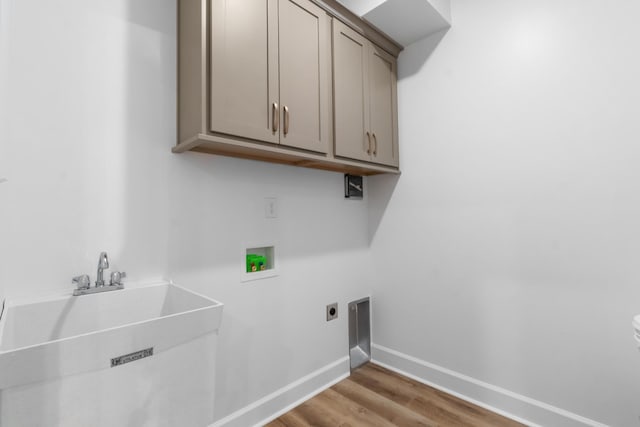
point(365, 100)
point(270, 69)
point(350, 93)
point(255, 82)
point(241, 90)
point(383, 109)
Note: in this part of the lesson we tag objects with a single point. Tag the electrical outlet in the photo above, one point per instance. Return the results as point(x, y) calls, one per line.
point(332, 311)
point(270, 207)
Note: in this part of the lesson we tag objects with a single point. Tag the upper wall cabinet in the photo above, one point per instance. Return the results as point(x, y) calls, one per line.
point(270, 70)
point(255, 81)
point(365, 107)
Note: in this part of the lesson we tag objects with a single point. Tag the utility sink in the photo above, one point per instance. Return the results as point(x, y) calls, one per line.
point(40, 322)
point(149, 346)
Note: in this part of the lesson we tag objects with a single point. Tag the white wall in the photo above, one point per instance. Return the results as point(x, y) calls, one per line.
point(509, 248)
point(506, 251)
point(88, 120)
point(3, 145)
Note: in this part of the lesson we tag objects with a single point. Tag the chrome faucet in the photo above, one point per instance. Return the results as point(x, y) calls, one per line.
point(83, 283)
point(103, 263)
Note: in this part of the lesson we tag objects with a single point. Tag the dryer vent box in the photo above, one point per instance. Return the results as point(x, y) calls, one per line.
point(359, 333)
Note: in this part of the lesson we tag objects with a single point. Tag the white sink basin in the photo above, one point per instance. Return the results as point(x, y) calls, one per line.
point(44, 321)
point(66, 346)
point(636, 327)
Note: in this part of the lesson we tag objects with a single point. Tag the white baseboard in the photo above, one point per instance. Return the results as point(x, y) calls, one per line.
point(288, 397)
point(504, 402)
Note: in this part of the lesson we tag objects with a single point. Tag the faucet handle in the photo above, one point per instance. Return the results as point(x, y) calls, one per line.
point(82, 282)
point(116, 277)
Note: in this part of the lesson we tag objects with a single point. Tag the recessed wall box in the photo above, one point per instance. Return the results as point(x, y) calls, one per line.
point(258, 262)
point(359, 333)
point(353, 186)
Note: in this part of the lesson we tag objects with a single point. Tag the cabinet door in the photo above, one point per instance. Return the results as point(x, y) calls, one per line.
point(382, 107)
point(304, 75)
point(244, 80)
point(350, 93)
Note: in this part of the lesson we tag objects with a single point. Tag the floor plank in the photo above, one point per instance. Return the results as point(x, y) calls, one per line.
point(315, 413)
point(376, 397)
point(388, 409)
point(426, 401)
point(351, 411)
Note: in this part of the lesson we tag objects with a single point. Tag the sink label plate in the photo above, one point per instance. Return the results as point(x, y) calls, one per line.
point(131, 357)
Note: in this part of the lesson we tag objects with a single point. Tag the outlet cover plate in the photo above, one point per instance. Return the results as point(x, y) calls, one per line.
point(332, 311)
point(270, 207)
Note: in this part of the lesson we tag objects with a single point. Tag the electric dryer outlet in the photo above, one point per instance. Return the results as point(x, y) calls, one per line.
point(332, 311)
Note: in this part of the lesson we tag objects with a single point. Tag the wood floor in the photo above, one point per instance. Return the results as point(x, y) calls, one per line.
point(373, 396)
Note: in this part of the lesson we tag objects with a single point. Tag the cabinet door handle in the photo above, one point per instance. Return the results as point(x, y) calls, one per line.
point(369, 143)
point(275, 117)
point(375, 144)
point(286, 120)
